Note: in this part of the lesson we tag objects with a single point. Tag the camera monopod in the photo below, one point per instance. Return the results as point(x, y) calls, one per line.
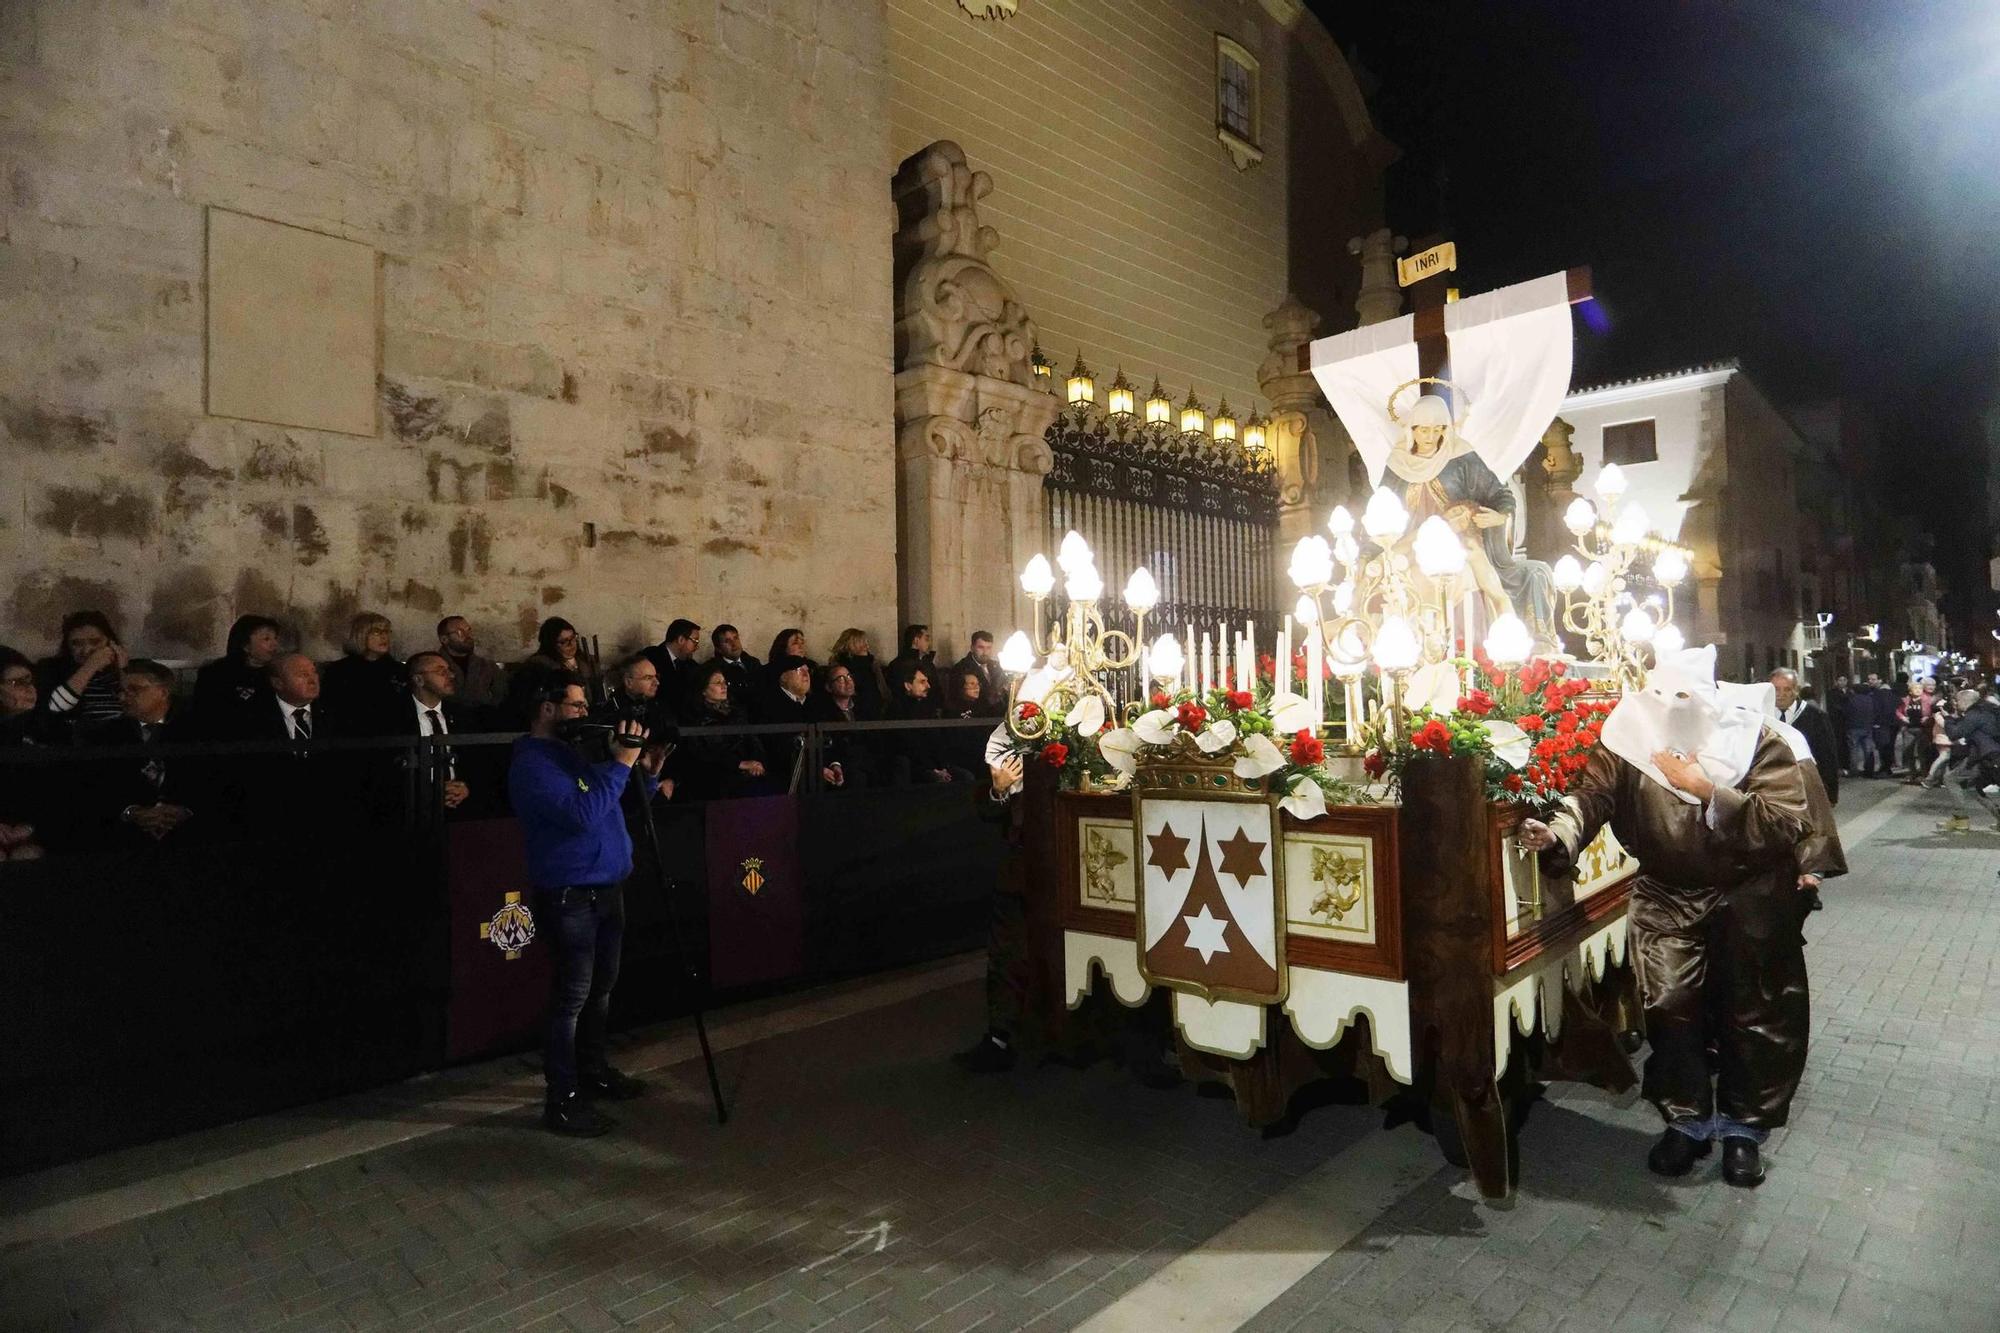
point(697, 980)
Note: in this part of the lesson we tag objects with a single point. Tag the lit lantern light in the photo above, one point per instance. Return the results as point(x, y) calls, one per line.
point(1224, 428)
point(1667, 639)
point(1581, 516)
point(1037, 580)
point(1396, 648)
point(1166, 658)
point(1312, 563)
point(1159, 407)
point(1385, 519)
point(1629, 528)
point(1194, 417)
point(1074, 551)
point(1568, 574)
point(1083, 583)
point(1016, 655)
point(1141, 593)
point(1255, 440)
point(1595, 577)
point(1343, 598)
point(1340, 523)
point(1508, 642)
point(1043, 368)
point(1082, 388)
point(1439, 553)
point(1669, 567)
point(1637, 626)
point(1611, 482)
point(1118, 402)
point(1346, 549)
point(1305, 612)
point(1348, 654)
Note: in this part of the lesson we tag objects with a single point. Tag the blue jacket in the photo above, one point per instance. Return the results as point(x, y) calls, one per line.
point(568, 808)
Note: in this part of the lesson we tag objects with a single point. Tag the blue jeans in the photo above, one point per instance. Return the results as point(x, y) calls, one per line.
point(1861, 754)
point(586, 938)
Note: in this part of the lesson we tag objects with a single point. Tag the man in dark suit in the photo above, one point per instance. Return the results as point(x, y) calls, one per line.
point(433, 711)
point(743, 669)
point(979, 660)
point(673, 658)
point(1814, 725)
point(143, 801)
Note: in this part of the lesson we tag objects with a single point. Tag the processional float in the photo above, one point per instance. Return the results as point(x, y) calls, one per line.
point(1309, 866)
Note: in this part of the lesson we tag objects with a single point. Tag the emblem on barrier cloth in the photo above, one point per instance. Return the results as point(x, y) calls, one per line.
point(511, 928)
point(753, 875)
point(1211, 917)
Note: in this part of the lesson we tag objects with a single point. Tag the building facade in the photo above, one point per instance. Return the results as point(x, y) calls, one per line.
point(629, 348)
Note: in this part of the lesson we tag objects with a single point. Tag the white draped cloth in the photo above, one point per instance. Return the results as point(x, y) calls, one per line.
point(1509, 361)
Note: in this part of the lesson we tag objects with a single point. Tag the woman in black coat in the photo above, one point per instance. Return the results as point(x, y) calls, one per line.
point(366, 685)
point(229, 690)
point(708, 767)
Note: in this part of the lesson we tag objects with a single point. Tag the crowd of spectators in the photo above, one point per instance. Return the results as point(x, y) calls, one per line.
point(94, 692)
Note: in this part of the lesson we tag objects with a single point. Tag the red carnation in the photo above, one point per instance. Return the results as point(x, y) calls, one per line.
point(1373, 764)
point(1056, 755)
point(1029, 710)
point(1241, 699)
point(1530, 723)
point(1479, 703)
point(1558, 666)
point(1512, 782)
point(1566, 723)
point(1192, 716)
point(1306, 748)
point(1162, 699)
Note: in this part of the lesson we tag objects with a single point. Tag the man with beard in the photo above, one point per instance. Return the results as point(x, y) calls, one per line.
point(1713, 805)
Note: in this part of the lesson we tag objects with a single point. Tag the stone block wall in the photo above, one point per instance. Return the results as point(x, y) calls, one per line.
point(1125, 228)
point(636, 316)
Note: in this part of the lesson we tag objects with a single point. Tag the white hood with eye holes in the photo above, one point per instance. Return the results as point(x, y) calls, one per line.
point(1680, 709)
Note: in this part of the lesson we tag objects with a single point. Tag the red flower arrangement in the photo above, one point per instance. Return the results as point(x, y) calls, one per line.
point(1433, 735)
point(1055, 755)
point(1307, 748)
point(1478, 703)
point(1241, 700)
point(1161, 699)
point(1028, 710)
point(1191, 716)
point(1374, 763)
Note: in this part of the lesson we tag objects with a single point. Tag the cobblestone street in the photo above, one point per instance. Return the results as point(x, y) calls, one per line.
point(864, 1183)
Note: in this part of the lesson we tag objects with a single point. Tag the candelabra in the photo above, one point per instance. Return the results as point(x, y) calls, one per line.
point(1076, 650)
point(1621, 630)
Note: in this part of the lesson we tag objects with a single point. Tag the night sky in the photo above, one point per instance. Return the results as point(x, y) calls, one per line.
point(1811, 187)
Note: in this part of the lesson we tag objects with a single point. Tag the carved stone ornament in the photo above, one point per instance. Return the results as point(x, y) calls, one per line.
point(953, 310)
point(990, 9)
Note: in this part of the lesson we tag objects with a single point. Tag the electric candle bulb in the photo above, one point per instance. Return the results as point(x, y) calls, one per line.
point(1167, 659)
point(1595, 577)
point(1073, 552)
point(1581, 516)
point(1037, 579)
point(1384, 519)
point(1340, 523)
point(1346, 549)
point(1343, 598)
point(1348, 654)
point(1637, 626)
point(1439, 553)
point(1611, 482)
point(1667, 639)
point(1629, 528)
point(1016, 655)
point(1669, 568)
point(1508, 642)
point(1305, 611)
point(1083, 584)
point(1568, 574)
point(1396, 645)
point(1141, 593)
point(1312, 563)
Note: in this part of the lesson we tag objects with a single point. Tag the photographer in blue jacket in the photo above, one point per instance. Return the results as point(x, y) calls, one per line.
point(579, 853)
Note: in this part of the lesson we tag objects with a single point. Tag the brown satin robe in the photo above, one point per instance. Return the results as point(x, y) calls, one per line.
point(1720, 899)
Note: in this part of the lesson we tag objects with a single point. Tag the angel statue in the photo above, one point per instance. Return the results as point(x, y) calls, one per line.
point(1441, 473)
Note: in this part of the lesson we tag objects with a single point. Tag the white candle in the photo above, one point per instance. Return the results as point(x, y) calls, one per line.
point(1207, 663)
point(1247, 669)
point(1315, 664)
point(1352, 696)
point(1190, 664)
point(1281, 670)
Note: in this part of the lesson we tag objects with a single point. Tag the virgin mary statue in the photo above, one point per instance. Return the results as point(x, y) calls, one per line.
point(1440, 473)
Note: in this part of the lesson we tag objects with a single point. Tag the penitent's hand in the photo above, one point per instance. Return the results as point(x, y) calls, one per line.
point(1685, 773)
point(1535, 835)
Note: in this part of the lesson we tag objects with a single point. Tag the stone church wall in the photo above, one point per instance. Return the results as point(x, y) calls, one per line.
point(635, 299)
point(1125, 228)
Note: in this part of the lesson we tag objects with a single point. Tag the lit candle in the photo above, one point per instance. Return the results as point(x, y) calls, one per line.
point(1190, 664)
point(1207, 663)
point(1249, 655)
point(1315, 659)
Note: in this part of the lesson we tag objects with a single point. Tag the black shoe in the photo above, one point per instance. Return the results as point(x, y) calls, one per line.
point(574, 1116)
point(1675, 1154)
point(990, 1056)
point(611, 1085)
point(1741, 1164)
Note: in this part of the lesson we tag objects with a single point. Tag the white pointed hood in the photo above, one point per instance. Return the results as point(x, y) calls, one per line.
point(1680, 709)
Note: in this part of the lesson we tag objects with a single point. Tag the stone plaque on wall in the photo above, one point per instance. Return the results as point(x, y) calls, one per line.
point(292, 318)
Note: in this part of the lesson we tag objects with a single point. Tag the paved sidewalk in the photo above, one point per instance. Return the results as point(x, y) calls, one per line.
point(864, 1183)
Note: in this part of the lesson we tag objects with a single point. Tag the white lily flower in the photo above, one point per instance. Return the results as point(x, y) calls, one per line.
point(1510, 744)
point(1219, 737)
point(1259, 757)
point(1120, 748)
point(1434, 687)
point(1088, 717)
point(1291, 714)
point(1306, 801)
point(1155, 728)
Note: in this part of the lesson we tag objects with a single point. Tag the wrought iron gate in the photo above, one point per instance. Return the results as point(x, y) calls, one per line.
point(1200, 516)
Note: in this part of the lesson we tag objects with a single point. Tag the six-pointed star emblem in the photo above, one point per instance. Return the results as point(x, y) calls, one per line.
point(1205, 934)
point(1242, 857)
point(1169, 853)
